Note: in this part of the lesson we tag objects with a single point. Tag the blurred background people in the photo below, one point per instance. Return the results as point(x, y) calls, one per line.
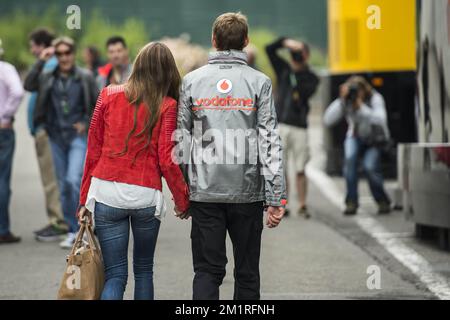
point(252, 53)
point(118, 68)
point(11, 93)
point(64, 105)
point(365, 112)
point(296, 83)
point(39, 40)
point(92, 59)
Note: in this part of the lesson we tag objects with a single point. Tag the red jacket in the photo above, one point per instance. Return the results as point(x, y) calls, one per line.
point(110, 124)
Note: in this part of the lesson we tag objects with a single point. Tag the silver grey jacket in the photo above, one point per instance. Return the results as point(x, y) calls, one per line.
point(228, 142)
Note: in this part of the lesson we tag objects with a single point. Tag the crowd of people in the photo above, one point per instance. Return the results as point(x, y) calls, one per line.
point(104, 138)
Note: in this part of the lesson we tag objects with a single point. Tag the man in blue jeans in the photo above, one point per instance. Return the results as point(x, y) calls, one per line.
point(365, 112)
point(66, 97)
point(11, 93)
point(56, 228)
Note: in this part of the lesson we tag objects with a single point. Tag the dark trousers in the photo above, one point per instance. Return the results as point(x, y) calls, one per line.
point(210, 223)
point(7, 144)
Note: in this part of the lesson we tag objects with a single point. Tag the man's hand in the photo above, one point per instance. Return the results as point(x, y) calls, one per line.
point(343, 90)
point(182, 215)
point(47, 53)
point(7, 125)
point(293, 45)
point(274, 216)
point(80, 127)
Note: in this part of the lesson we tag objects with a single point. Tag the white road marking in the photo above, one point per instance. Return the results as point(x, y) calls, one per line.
point(412, 260)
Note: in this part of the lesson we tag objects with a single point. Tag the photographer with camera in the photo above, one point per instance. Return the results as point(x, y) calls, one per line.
point(296, 83)
point(367, 134)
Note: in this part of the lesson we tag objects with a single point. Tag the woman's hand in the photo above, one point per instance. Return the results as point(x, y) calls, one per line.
point(84, 214)
point(182, 215)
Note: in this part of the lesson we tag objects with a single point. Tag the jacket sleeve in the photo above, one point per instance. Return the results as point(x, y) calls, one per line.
point(269, 148)
point(334, 113)
point(184, 124)
point(94, 146)
point(376, 113)
point(94, 92)
point(278, 63)
point(31, 82)
point(170, 170)
point(308, 84)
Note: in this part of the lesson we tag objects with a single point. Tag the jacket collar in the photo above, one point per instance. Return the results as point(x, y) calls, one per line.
point(76, 72)
point(229, 56)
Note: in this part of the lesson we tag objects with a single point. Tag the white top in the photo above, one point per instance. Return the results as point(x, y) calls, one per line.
point(124, 196)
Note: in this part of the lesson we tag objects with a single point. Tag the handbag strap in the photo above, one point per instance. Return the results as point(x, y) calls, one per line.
point(79, 239)
point(90, 232)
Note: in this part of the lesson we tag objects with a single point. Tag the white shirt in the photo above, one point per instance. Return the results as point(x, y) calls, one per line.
point(124, 196)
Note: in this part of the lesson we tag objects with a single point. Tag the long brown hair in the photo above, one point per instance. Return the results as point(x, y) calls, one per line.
point(154, 76)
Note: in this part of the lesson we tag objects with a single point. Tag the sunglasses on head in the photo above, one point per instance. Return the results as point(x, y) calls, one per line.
point(63, 53)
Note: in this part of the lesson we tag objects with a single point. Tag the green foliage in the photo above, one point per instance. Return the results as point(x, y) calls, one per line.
point(259, 38)
point(14, 31)
point(95, 29)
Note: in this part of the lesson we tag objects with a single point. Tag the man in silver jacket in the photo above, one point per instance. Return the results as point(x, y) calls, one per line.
point(231, 155)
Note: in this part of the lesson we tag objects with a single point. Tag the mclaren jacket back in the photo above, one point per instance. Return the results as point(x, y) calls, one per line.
point(229, 147)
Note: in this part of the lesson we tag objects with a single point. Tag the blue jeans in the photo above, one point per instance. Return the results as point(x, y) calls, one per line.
point(353, 148)
point(7, 144)
point(112, 226)
point(68, 160)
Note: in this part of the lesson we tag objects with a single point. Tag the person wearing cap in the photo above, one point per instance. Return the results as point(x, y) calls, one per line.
point(56, 228)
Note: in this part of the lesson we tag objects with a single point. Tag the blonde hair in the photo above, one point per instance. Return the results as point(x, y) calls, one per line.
point(64, 40)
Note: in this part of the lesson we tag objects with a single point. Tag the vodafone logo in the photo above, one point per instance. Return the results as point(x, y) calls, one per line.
point(224, 86)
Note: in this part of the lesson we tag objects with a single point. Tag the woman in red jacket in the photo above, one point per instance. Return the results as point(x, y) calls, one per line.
point(129, 149)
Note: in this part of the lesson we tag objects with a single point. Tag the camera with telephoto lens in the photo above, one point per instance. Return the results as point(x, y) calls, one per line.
point(352, 94)
point(298, 56)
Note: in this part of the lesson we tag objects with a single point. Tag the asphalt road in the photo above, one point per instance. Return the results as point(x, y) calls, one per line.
point(326, 257)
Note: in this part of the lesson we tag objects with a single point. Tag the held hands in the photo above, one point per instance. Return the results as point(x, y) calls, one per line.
point(182, 215)
point(274, 216)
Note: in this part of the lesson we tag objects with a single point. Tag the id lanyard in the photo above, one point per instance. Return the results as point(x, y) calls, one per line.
point(294, 84)
point(63, 88)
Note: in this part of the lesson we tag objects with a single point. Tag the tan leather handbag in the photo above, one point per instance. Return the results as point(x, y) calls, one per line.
point(84, 276)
